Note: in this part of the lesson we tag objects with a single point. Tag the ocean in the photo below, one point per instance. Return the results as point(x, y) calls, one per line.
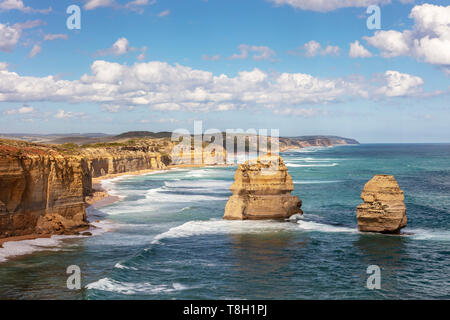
point(165, 238)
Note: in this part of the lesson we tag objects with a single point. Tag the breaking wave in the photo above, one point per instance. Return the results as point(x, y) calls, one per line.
point(129, 288)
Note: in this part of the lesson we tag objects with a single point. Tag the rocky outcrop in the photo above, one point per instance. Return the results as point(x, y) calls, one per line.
point(384, 208)
point(35, 184)
point(262, 190)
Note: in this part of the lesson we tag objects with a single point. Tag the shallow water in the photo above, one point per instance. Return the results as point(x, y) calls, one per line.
point(169, 242)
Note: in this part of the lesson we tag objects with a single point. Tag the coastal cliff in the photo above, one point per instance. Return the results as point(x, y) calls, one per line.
point(383, 209)
point(262, 190)
point(41, 191)
point(293, 143)
point(43, 188)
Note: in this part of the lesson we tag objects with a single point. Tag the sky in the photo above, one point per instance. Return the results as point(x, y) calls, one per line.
point(305, 67)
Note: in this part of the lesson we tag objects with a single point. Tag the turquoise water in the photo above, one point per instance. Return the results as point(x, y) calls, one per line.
point(168, 241)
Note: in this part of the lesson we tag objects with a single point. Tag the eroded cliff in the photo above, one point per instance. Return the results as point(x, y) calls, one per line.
point(38, 185)
point(43, 188)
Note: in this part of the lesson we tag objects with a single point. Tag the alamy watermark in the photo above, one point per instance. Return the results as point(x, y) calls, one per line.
point(374, 280)
point(74, 280)
point(74, 20)
point(374, 20)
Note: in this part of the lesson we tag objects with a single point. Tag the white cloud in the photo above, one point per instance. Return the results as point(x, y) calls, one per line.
point(111, 108)
point(132, 5)
point(121, 47)
point(94, 4)
point(357, 50)
point(22, 110)
point(9, 36)
point(392, 43)
point(428, 40)
point(300, 112)
point(162, 86)
point(400, 84)
point(259, 53)
point(35, 51)
point(164, 13)
point(51, 37)
point(329, 5)
point(61, 114)
point(7, 5)
point(314, 48)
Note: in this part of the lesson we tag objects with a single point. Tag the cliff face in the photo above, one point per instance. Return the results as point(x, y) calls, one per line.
point(43, 188)
point(313, 141)
point(121, 160)
point(262, 190)
point(35, 187)
point(383, 209)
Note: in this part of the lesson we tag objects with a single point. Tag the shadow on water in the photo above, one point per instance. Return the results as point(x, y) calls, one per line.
point(264, 263)
point(389, 252)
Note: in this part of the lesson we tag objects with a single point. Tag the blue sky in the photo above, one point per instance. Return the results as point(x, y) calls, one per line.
point(281, 64)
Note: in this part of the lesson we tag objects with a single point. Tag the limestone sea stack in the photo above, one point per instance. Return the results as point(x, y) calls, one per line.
point(384, 207)
point(262, 190)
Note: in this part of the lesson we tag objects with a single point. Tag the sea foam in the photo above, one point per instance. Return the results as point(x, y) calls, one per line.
point(129, 288)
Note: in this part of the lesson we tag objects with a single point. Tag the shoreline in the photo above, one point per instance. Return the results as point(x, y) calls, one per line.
point(100, 198)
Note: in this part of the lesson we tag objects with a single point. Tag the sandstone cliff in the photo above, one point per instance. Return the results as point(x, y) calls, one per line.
point(262, 190)
point(37, 186)
point(103, 161)
point(384, 208)
point(313, 141)
point(43, 188)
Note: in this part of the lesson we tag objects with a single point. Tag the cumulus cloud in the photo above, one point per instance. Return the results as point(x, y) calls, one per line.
point(357, 50)
point(257, 53)
point(121, 47)
point(400, 84)
point(7, 5)
point(428, 40)
point(162, 86)
point(22, 110)
point(10, 35)
point(329, 5)
point(314, 48)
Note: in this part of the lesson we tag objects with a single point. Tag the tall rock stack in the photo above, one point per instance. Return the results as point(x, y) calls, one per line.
point(262, 190)
point(384, 207)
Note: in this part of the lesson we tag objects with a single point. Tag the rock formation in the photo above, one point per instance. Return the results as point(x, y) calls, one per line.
point(34, 185)
point(384, 208)
point(262, 190)
point(43, 188)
